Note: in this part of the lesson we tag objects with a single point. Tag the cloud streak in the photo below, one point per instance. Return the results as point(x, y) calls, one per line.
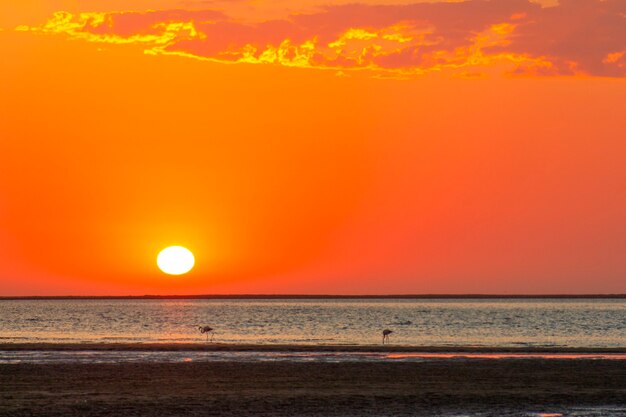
point(518, 37)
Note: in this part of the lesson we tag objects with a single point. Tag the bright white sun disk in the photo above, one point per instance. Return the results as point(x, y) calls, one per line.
point(175, 260)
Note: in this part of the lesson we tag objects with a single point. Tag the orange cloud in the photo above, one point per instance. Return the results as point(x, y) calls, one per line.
point(586, 37)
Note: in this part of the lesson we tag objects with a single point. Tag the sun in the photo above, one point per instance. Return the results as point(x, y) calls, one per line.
point(175, 260)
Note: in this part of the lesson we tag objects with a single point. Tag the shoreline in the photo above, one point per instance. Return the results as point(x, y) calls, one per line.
point(287, 348)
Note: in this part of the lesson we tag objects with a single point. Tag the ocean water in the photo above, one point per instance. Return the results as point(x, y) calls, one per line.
point(593, 323)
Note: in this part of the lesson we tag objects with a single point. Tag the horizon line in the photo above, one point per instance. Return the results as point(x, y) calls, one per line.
point(310, 296)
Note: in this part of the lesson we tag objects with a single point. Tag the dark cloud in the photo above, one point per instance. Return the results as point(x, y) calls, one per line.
point(575, 37)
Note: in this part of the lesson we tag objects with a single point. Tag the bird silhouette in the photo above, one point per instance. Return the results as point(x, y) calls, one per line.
point(386, 334)
point(207, 330)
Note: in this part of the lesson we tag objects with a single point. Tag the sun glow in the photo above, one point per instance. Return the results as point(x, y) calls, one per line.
point(175, 260)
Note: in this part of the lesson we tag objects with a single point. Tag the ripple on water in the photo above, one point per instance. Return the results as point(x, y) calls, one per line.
point(500, 323)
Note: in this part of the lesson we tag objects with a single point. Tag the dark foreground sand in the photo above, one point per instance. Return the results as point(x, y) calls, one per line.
point(504, 387)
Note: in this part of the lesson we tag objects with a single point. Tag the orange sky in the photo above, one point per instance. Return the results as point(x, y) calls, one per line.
point(313, 147)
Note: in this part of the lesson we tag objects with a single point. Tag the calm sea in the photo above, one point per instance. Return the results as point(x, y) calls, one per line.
point(445, 322)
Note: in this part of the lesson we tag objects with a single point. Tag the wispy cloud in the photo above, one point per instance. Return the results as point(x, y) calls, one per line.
point(577, 37)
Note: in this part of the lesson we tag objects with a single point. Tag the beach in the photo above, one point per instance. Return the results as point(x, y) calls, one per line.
point(313, 358)
point(443, 386)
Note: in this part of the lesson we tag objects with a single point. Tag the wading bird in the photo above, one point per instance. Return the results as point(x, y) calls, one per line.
point(207, 330)
point(386, 334)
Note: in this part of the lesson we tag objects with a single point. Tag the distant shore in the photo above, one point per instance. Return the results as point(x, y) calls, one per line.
point(315, 297)
point(237, 347)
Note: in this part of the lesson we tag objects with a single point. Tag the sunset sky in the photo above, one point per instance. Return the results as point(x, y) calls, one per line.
point(313, 146)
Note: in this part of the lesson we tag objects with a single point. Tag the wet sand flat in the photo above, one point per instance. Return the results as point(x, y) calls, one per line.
point(486, 387)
